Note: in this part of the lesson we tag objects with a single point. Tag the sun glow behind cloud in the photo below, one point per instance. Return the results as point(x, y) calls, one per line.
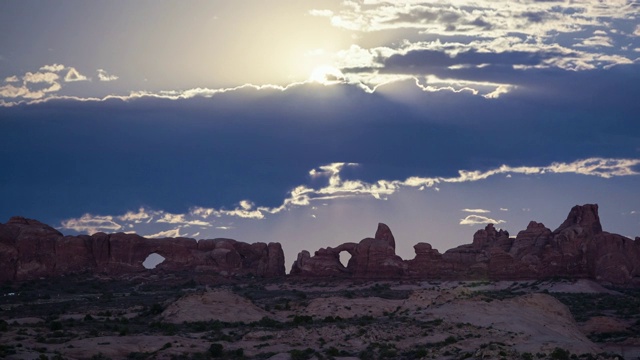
point(233, 94)
point(306, 215)
point(454, 47)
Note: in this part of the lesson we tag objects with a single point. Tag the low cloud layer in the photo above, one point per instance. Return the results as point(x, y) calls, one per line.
point(335, 187)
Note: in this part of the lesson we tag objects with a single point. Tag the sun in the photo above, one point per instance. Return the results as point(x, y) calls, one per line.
point(326, 75)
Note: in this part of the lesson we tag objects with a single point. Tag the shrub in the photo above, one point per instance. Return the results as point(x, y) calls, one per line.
point(302, 319)
point(216, 350)
point(560, 354)
point(450, 340)
point(301, 354)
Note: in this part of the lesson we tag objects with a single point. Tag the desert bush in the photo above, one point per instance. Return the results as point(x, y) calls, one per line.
point(450, 340)
point(6, 350)
point(100, 356)
point(216, 350)
point(301, 354)
point(302, 319)
point(560, 354)
point(268, 323)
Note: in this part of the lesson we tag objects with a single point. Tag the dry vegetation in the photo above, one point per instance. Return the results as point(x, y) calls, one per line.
point(179, 317)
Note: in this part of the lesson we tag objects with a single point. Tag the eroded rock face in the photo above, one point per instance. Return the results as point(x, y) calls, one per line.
point(370, 258)
point(578, 248)
point(30, 249)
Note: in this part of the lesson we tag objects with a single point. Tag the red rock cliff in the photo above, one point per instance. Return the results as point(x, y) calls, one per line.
point(30, 249)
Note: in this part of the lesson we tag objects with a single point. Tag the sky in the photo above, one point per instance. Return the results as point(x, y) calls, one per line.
point(307, 123)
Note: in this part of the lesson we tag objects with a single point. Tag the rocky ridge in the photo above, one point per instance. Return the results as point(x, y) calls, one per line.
point(578, 248)
point(30, 249)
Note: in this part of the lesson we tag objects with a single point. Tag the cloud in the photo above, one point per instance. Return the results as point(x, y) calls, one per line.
point(477, 211)
point(38, 77)
point(91, 224)
point(137, 217)
point(73, 75)
point(526, 35)
point(334, 186)
point(478, 219)
point(167, 233)
point(53, 68)
point(104, 76)
point(181, 219)
point(597, 40)
point(42, 84)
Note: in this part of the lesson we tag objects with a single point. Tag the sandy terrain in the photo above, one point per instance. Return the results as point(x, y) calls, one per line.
point(222, 305)
point(440, 320)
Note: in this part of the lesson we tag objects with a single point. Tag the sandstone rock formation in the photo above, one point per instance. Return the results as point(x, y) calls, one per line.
point(578, 248)
point(370, 258)
point(30, 249)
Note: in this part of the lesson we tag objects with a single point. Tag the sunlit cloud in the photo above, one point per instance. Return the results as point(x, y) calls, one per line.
point(478, 220)
point(104, 76)
point(598, 40)
point(91, 224)
point(335, 187)
point(53, 68)
point(167, 233)
point(73, 75)
point(181, 219)
point(37, 86)
point(476, 211)
point(137, 217)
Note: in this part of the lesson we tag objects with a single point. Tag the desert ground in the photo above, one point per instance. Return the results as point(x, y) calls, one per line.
point(178, 316)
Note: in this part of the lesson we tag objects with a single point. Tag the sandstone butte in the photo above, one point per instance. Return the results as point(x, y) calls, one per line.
point(578, 248)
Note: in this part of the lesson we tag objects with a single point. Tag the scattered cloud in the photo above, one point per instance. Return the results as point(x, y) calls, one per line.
point(73, 75)
point(137, 217)
point(104, 76)
point(38, 85)
point(167, 233)
point(334, 186)
point(477, 211)
point(598, 40)
point(479, 219)
point(53, 68)
point(91, 224)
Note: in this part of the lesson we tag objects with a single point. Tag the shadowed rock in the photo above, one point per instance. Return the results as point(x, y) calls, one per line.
point(578, 248)
point(30, 249)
